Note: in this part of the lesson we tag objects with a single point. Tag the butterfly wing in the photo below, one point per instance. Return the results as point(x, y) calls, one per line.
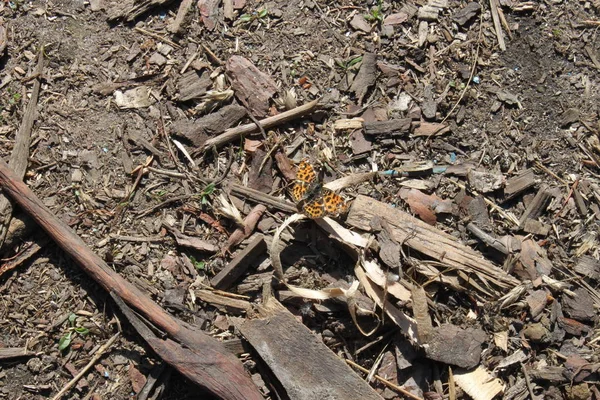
point(333, 203)
point(304, 177)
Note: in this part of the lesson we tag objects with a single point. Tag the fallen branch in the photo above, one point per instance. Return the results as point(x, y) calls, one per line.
point(209, 365)
point(232, 134)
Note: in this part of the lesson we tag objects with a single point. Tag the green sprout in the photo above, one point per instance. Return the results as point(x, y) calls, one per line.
point(65, 342)
point(346, 65)
point(376, 14)
point(255, 16)
point(199, 265)
point(208, 190)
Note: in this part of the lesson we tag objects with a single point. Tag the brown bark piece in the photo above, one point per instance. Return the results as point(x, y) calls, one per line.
point(455, 346)
point(240, 263)
point(430, 129)
point(267, 123)
point(210, 365)
point(209, 11)
point(14, 352)
point(537, 205)
point(580, 307)
point(252, 87)
point(519, 183)
point(366, 77)
point(199, 131)
point(589, 267)
point(421, 313)
point(394, 127)
point(261, 179)
point(306, 368)
point(426, 239)
point(192, 85)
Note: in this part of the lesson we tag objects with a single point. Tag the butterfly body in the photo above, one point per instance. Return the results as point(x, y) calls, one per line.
point(312, 198)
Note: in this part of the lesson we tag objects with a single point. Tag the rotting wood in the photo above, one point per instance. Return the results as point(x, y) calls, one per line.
point(428, 240)
point(488, 239)
point(240, 263)
point(537, 205)
point(216, 369)
point(192, 85)
point(198, 131)
point(131, 9)
point(240, 131)
point(366, 77)
point(306, 368)
point(20, 153)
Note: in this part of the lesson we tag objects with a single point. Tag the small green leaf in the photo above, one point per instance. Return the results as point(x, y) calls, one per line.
point(209, 189)
point(82, 331)
point(200, 265)
point(262, 13)
point(64, 342)
point(355, 61)
point(72, 318)
point(246, 18)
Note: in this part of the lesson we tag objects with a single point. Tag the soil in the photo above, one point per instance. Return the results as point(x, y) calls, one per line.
point(534, 105)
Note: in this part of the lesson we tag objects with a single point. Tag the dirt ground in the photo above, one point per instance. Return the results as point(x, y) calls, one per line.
point(532, 106)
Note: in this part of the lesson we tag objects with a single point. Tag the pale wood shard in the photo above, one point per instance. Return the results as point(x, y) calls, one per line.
point(131, 9)
point(306, 368)
point(479, 383)
point(14, 352)
point(252, 87)
point(428, 240)
point(240, 263)
point(228, 304)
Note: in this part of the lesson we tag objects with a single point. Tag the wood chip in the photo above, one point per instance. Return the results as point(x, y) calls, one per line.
point(306, 368)
point(366, 76)
point(252, 87)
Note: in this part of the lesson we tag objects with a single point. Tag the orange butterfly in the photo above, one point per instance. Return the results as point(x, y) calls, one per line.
point(313, 199)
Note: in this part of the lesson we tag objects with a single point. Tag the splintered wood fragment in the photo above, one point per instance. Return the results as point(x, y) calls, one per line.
point(240, 263)
point(183, 10)
point(519, 183)
point(421, 314)
point(131, 9)
point(392, 127)
point(306, 368)
point(260, 197)
point(479, 383)
point(426, 239)
point(252, 87)
point(487, 238)
point(348, 124)
point(239, 132)
point(537, 205)
point(20, 153)
point(192, 85)
point(14, 352)
point(497, 24)
point(242, 233)
point(229, 304)
point(366, 77)
point(209, 12)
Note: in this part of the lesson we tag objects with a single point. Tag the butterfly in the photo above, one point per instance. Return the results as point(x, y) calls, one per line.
point(314, 200)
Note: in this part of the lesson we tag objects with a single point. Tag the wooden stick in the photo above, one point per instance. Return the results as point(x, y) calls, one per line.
point(385, 381)
point(20, 154)
point(262, 198)
point(89, 365)
point(497, 24)
point(209, 365)
point(232, 134)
